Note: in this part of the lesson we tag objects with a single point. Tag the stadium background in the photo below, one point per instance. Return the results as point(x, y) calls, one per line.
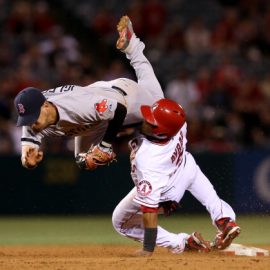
point(212, 56)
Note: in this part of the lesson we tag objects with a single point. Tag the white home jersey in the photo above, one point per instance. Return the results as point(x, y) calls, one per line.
point(162, 173)
point(153, 167)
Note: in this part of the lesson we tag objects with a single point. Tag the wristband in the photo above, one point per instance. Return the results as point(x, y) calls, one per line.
point(80, 161)
point(105, 147)
point(150, 237)
point(105, 144)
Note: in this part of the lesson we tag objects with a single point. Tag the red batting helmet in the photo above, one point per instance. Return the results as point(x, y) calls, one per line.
point(166, 115)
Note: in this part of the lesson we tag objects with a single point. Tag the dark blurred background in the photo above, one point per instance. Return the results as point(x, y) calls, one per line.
point(211, 56)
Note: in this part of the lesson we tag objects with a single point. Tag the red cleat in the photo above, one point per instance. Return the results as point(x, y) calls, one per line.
point(125, 30)
point(227, 231)
point(195, 242)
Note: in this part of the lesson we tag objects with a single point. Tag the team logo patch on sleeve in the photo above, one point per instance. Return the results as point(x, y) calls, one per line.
point(102, 106)
point(144, 188)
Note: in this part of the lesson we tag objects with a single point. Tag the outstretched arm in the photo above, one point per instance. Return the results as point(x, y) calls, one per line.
point(31, 154)
point(115, 124)
point(150, 221)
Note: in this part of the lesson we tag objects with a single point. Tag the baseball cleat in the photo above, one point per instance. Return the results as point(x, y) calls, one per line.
point(227, 231)
point(195, 242)
point(125, 30)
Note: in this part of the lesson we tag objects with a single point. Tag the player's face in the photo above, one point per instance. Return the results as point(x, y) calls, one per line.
point(147, 129)
point(43, 119)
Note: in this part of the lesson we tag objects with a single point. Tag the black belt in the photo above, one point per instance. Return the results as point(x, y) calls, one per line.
point(121, 91)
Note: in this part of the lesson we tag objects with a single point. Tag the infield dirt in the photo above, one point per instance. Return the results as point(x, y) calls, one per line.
point(106, 257)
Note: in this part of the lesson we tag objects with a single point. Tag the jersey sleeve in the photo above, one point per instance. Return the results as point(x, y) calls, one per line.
point(30, 138)
point(104, 108)
point(149, 187)
point(115, 124)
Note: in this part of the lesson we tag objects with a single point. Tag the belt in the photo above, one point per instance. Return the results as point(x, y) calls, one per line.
point(121, 91)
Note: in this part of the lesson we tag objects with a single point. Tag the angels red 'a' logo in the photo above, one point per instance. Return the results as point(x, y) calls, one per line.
point(144, 188)
point(102, 106)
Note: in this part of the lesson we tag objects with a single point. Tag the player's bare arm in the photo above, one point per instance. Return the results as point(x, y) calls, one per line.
point(150, 221)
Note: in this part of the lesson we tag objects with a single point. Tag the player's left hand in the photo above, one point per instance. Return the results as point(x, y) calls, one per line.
point(143, 253)
point(96, 156)
point(31, 157)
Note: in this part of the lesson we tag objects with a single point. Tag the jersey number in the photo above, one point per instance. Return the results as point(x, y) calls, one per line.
point(177, 155)
point(64, 88)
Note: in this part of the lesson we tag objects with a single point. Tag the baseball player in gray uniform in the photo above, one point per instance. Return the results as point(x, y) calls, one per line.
point(95, 112)
point(162, 170)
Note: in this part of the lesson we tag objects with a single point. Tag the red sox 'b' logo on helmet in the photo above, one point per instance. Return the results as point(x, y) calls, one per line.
point(21, 109)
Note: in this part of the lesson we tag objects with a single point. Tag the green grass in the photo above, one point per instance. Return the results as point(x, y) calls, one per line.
point(99, 230)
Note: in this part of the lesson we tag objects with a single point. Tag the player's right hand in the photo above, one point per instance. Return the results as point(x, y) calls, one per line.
point(31, 157)
point(143, 253)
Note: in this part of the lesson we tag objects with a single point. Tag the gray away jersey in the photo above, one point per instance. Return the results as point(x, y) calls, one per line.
point(86, 111)
point(82, 111)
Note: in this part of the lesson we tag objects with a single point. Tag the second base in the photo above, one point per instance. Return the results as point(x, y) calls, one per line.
point(241, 250)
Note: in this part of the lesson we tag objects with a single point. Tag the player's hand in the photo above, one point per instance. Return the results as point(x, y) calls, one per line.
point(99, 156)
point(31, 157)
point(143, 253)
point(95, 157)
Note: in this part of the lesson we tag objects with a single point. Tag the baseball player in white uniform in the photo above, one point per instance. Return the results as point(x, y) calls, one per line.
point(162, 170)
point(95, 112)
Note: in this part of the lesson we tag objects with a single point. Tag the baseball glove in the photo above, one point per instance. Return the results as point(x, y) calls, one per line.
point(95, 157)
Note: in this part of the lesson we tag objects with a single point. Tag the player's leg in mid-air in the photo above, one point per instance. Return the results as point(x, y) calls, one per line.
point(222, 214)
point(127, 221)
point(133, 48)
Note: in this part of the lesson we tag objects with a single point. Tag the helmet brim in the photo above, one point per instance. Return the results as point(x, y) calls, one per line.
point(148, 115)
